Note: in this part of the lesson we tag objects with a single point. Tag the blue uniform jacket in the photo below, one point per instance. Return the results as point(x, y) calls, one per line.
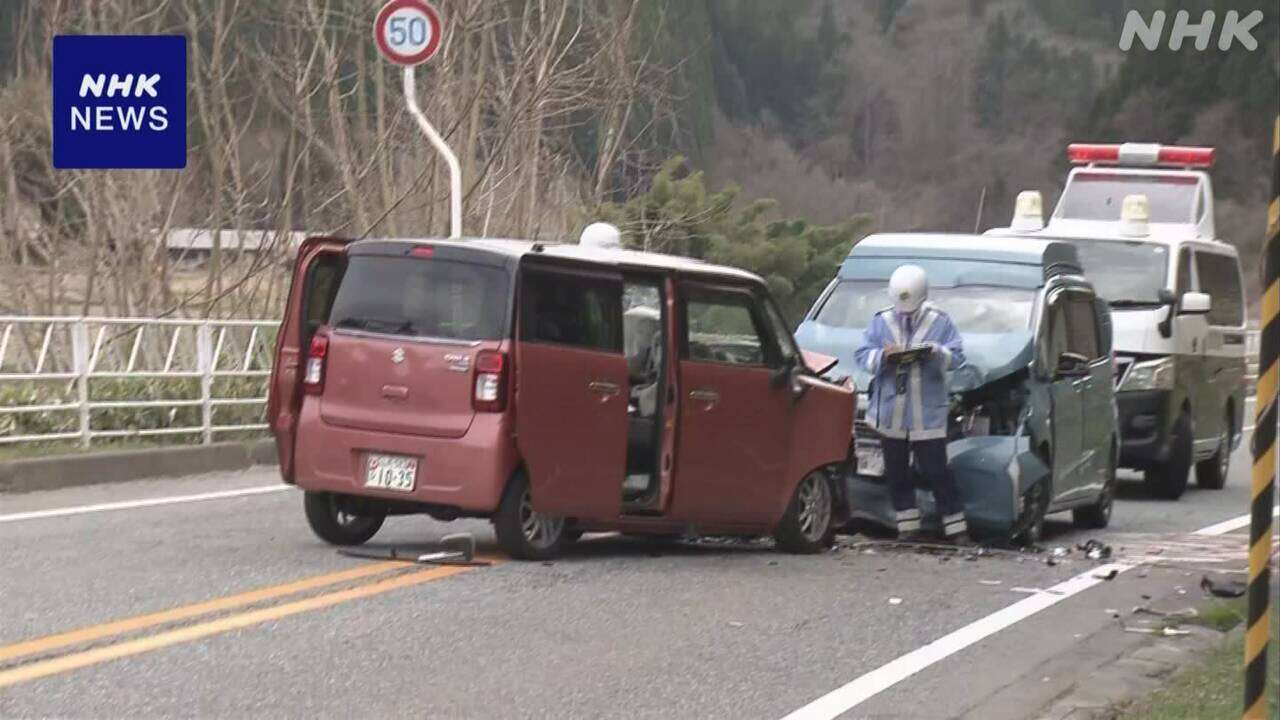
point(919, 413)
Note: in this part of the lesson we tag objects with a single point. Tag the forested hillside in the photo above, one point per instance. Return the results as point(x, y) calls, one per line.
point(803, 125)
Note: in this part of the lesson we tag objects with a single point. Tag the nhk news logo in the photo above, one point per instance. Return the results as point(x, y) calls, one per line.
point(119, 101)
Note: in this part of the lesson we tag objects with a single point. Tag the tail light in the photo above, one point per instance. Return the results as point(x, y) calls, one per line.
point(490, 384)
point(313, 377)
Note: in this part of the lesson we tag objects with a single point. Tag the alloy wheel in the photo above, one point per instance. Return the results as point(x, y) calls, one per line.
point(815, 507)
point(540, 531)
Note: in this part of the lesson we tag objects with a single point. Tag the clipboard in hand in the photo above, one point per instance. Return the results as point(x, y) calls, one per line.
point(910, 355)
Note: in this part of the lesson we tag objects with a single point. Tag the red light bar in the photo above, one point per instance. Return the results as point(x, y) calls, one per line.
point(1186, 156)
point(1080, 153)
point(1140, 154)
point(422, 251)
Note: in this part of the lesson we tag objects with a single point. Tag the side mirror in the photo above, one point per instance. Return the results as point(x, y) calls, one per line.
point(1194, 303)
point(1070, 364)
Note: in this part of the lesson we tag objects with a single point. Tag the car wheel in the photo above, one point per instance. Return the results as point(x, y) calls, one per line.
point(807, 525)
point(335, 524)
point(524, 533)
point(1029, 527)
point(1098, 515)
point(1168, 480)
point(1211, 474)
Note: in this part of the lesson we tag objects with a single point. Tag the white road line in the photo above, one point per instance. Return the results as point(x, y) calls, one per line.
point(148, 502)
point(847, 697)
point(1231, 525)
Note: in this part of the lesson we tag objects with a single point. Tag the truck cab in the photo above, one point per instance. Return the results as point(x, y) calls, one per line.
point(1141, 218)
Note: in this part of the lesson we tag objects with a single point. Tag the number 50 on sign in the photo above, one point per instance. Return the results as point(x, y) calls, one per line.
point(407, 31)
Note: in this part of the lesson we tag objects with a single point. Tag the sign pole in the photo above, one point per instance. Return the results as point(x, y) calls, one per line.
point(1258, 630)
point(442, 147)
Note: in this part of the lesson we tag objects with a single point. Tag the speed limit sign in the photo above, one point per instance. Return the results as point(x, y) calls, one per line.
point(407, 31)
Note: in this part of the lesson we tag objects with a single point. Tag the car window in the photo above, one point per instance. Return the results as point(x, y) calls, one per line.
point(421, 297)
point(721, 327)
point(1082, 326)
point(1184, 272)
point(568, 309)
point(1220, 278)
point(1055, 331)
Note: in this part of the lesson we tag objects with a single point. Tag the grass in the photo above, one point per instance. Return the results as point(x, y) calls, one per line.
point(1214, 688)
point(72, 447)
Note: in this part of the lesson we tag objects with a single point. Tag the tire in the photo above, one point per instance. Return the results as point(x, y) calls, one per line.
point(1029, 527)
point(1098, 515)
point(335, 525)
point(1168, 480)
point(524, 533)
point(1211, 474)
point(808, 525)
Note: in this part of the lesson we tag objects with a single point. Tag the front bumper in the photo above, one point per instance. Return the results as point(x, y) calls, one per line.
point(1144, 434)
point(992, 473)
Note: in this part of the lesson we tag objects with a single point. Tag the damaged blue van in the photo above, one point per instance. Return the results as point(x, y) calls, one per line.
point(1033, 424)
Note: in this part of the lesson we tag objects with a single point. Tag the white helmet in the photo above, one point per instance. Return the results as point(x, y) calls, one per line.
point(908, 288)
point(601, 235)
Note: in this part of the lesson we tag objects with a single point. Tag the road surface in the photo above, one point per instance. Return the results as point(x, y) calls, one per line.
point(155, 599)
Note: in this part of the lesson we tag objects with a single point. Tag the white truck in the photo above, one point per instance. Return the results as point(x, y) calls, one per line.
point(1141, 217)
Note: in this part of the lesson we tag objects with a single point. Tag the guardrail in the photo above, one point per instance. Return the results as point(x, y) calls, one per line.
point(155, 375)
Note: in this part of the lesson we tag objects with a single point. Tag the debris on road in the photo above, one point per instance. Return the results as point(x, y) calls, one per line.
point(895, 601)
point(1095, 550)
point(1225, 588)
point(736, 624)
point(988, 582)
point(456, 549)
point(1165, 631)
point(1109, 575)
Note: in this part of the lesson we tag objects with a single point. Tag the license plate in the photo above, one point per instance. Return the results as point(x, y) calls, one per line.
point(390, 472)
point(870, 458)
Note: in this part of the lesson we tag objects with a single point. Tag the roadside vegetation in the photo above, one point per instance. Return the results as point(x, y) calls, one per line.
point(1213, 688)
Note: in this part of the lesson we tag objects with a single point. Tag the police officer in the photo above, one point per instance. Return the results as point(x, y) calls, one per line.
point(908, 398)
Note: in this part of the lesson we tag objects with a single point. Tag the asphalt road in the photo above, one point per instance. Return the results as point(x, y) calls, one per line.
point(97, 620)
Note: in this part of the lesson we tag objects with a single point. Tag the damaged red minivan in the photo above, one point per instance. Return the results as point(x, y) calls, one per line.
point(555, 389)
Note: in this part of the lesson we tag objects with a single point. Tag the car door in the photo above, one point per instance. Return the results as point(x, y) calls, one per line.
point(316, 273)
point(1066, 411)
point(1095, 395)
point(571, 382)
point(1189, 332)
point(733, 438)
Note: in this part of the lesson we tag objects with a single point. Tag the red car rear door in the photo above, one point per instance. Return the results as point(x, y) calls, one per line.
point(571, 392)
point(315, 280)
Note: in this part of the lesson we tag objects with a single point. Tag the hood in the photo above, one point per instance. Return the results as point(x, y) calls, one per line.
point(989, 356)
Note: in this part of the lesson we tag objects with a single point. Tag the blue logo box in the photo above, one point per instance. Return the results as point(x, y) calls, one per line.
point(119, 101)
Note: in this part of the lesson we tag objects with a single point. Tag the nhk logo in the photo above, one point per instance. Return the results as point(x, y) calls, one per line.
point(1234, 29)
point(119, 101)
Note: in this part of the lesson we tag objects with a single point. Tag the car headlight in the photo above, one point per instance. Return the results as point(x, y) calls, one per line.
point(1149, 375)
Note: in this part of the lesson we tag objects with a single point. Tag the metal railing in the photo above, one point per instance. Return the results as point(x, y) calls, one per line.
point(53, 370)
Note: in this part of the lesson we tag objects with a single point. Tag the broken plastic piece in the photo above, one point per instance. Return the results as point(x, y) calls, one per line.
point(1223, 588)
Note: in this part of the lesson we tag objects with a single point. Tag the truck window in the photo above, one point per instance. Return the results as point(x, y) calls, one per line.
point(1098, 196)
point(721, 327)
point(568, 309)
point(1220, 278)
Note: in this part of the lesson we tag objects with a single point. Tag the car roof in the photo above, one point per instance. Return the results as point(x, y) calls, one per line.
point(1025, 251)
point(616, 258)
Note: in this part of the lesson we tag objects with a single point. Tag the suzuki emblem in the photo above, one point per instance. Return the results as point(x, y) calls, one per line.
point(397, 355)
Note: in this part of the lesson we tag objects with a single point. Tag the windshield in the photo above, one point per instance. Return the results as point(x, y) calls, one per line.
point(1124, 273)
point(1099, 196)
point(973, 308)
point(422, 298)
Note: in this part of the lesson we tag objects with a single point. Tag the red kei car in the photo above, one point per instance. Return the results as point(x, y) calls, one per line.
point(555, 389)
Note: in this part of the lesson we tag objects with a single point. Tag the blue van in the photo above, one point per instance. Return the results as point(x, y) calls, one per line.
point(1032, 428)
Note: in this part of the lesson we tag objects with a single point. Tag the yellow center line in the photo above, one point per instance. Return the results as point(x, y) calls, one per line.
point(188, 633)
point(186, 612)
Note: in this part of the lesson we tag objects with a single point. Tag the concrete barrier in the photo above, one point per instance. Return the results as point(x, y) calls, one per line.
point(92, 468)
